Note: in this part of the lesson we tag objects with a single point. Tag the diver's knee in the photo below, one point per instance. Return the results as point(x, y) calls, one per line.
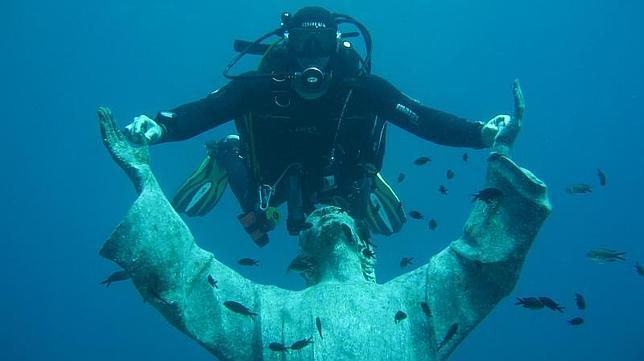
point(230, 139)
point(227, 143)
point(225, 147)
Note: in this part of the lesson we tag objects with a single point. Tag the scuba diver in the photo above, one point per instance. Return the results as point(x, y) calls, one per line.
point(312, 128)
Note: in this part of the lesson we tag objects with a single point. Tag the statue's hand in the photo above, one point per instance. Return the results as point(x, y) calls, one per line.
point(134, 159)
point(508, 132)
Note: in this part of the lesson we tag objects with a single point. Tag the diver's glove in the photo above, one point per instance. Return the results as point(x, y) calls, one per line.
point(144, 130)
point(258, 223)
point(493, 127)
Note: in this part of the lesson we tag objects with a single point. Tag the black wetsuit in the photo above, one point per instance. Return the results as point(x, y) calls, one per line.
point(278, 128)
point(372, 95)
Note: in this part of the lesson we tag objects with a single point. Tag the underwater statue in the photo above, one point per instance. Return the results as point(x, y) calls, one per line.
point(342, 314)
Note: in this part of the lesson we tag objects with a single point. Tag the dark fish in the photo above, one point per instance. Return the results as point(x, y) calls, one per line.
point(639, 269)
point(248, 262)
point(368, 253)
point(212, 282)
point(401, 177)
point(368, 241)
point(239, 308)
point(465, 157)
point(300, 264)
point(416, 215)
point(400, 315)
point(301, 343)
point(318, 324)
point(426, 309)
point(531, 303)
point(422, 160)
point(580, 301)
point(576, 321)
point(450, 333)
point(115, 277)
point(605, 255)
point(579, 188)
point(443, 190)
point(406, 261)
point(551, 304)
point(602, 177)
point(277, 347)
point(432, 224)
point(450, 174)
point(487, 195)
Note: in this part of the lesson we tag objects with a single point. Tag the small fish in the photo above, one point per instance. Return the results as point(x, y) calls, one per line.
point(400, 315)
point(465, 157)
point(443, 190)
point(318, 324)
point(433, 224)
point(551, 304)
point(401, 177)
point(576, 321)
point(368, 253)
point(450, 174)
point(300, 264)
point(277, 347)
point(450, 333)
point(639, 269)
point(531, 303)
point(426, 309)
point(416, 215)
point(605, 255)
point(248, 262)
point(580, 301)
point(115, 277)
point(579, 188)
point(301, 343)
point(406, 261)
point(212, 282)
point(422, 160)
point(602, 177)
point(239, 308)
point(487, 195)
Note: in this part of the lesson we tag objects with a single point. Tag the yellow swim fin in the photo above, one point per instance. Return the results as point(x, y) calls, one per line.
point(385, 213)
point(203, 188)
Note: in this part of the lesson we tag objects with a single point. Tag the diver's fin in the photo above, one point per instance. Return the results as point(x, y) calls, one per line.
point(385, 214)
point(203, 189)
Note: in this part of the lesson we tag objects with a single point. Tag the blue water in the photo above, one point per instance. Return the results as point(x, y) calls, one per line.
point(580, 64)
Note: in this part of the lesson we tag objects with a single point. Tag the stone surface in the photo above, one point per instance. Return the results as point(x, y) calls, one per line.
point(461, 284)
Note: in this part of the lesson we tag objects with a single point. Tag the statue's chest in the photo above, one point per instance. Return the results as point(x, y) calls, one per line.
point(346, 323)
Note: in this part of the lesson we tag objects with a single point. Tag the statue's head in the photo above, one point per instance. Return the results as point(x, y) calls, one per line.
point(332, 232)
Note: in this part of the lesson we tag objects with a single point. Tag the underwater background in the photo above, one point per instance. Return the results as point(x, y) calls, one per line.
point(581, 67)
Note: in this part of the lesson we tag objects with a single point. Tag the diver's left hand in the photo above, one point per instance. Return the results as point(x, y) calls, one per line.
point(493, 127)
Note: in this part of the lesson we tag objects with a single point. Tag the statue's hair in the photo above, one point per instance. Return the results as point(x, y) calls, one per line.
point(355, 234)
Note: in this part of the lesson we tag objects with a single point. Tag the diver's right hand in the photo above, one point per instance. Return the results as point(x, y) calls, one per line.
point(144, 130)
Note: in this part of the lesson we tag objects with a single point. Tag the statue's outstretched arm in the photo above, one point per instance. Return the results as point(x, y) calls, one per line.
point(184, 282)
point(468, 278)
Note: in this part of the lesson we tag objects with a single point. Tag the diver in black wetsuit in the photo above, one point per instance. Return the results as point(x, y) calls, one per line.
point(311, 123)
